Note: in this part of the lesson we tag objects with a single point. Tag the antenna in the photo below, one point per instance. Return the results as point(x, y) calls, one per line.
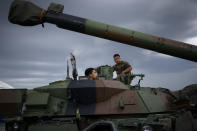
point(74, 68)
point(68, 76)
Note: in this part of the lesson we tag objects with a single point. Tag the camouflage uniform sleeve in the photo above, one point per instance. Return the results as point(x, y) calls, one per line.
point(126, 65)
point(113, 68)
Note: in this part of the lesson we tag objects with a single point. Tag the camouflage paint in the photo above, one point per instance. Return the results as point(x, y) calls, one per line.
point(153, 102)
point(75, 105)
point(82, 96)
point(99, 97)
point(28, 14)
point(11, 101)
point(142, 40)
point(123, 35)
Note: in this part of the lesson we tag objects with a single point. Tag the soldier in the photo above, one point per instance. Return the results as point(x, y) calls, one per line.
point(91, 73)
point(123, 70)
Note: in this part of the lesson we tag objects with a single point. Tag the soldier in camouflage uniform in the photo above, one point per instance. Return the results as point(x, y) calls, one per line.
point(123, 70)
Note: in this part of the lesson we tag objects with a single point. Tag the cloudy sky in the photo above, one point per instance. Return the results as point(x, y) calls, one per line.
point(34, 56)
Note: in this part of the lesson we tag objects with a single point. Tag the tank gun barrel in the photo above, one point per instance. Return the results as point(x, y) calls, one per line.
point(55, 16)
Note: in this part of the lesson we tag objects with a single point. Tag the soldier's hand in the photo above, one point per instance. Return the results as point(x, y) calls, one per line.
point(122, 73)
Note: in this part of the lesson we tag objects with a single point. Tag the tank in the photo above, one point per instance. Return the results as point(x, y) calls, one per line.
point(98, 105)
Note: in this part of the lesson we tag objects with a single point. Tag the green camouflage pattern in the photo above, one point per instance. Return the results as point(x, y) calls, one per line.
point(105, 72)
point(20, 14)
point(78, 105)
point(104, 104)
point(119, 67)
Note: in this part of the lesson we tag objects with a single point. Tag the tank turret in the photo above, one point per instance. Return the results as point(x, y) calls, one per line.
point(27, 14)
